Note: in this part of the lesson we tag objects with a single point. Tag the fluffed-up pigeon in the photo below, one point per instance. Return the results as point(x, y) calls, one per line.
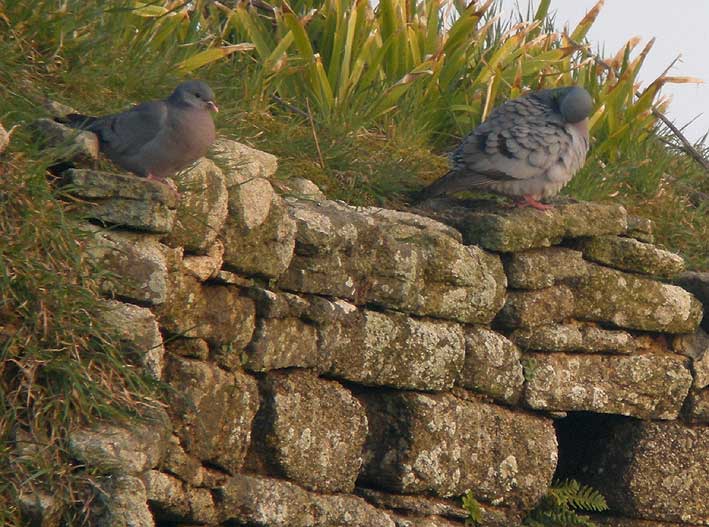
point(156, 139)
point(528, 148)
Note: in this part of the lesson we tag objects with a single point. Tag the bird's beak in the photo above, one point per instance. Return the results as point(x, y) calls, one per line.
point(212, 106)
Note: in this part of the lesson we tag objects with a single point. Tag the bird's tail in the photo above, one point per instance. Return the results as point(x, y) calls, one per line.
point(77, 120)
point(443, 185)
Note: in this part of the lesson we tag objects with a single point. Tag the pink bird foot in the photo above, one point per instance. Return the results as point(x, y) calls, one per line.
point(529, 201)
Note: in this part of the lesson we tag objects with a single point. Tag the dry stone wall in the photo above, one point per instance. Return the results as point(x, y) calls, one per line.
point(330, 365)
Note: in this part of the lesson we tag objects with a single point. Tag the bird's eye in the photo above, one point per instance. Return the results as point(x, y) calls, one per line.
point(197, 95)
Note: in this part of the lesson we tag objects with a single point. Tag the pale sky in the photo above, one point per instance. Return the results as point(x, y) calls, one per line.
point(680, 27)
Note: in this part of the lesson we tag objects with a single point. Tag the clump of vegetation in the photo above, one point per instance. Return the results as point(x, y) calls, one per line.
point(472, 507)
point(562, 503)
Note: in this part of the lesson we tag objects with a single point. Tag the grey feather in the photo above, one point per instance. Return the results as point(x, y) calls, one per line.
point(157, 138)
point(530, 146)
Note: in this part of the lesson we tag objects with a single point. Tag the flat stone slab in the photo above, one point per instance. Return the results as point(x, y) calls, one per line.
point(310, 431)
point(256, 500)
point(77, 146)
point(259, 233)
point(121, 448)
point(123, 199)
point(631, 255)
point(540, 268)
point(219, 314)
point(649, 386)
point(212, 411)
point(137, 264)
point(202, 207)
point(390, 349)
point(518, 229)
point(492, 365)
point(138, 334)
point(634, 302)
point(444, 445)
point(655, 471)
point(392, 259)
point(536, 308)
point(579, 338)
point(282, 343)
point(172, 500)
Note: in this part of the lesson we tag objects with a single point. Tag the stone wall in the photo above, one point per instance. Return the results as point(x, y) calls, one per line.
point(329, 365)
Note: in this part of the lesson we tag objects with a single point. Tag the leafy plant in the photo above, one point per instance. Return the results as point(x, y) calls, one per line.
point(471, 505)
point(560, 506)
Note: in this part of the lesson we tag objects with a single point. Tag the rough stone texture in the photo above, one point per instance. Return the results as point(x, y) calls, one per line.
point(125, 503)
point(605, 521)
point(193, 348)
point(219, 314)
point(207, 266)
point(648, 386)
point(492, 365)
point(310, 431)
point(443, 445)
point(393, 259)
point(138, 333)
point(255, 500)
point(580, 338)
point(632, 302)
point(202, 208)
point(277, 304)
point(414, 505)
point(212, 411)
point(632, 255)
point(696, 408)
point(425, 511)
point(697, 283)
point(696, 347)
point(512, 230)
point(282, 343)
point(123, 199)
point(301, 188)
point(172, 501)
point(241, 163)
point(186, 467)
point(137, 264)
point(128, 448)
point(77, 146)
point(427, 521)
point(391, 349)
point(38, 508)
point(535, 308)
point(641, 229)
point(655, 471)
point(540, 268)
point(259, 234)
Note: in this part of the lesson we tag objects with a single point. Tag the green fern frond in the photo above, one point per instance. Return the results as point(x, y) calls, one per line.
point(580, 497)
point(558, 508)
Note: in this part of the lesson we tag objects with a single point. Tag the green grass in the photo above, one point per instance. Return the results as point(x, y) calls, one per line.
point(59, 367)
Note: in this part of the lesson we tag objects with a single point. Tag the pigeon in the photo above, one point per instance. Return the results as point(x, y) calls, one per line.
point(528, 148)
point(156, 139)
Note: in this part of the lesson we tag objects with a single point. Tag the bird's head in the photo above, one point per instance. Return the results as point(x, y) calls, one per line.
point(196, 94)
point(574, 103)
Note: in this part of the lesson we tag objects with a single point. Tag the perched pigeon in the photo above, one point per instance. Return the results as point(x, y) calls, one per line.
point(528, 148)
point(156, 139)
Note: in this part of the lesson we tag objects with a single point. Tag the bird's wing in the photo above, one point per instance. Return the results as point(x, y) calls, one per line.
point(126, 133)
point(520, 140)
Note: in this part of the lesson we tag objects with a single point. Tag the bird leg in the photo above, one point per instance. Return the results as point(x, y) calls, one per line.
point(168, 183)
point(529, 201)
